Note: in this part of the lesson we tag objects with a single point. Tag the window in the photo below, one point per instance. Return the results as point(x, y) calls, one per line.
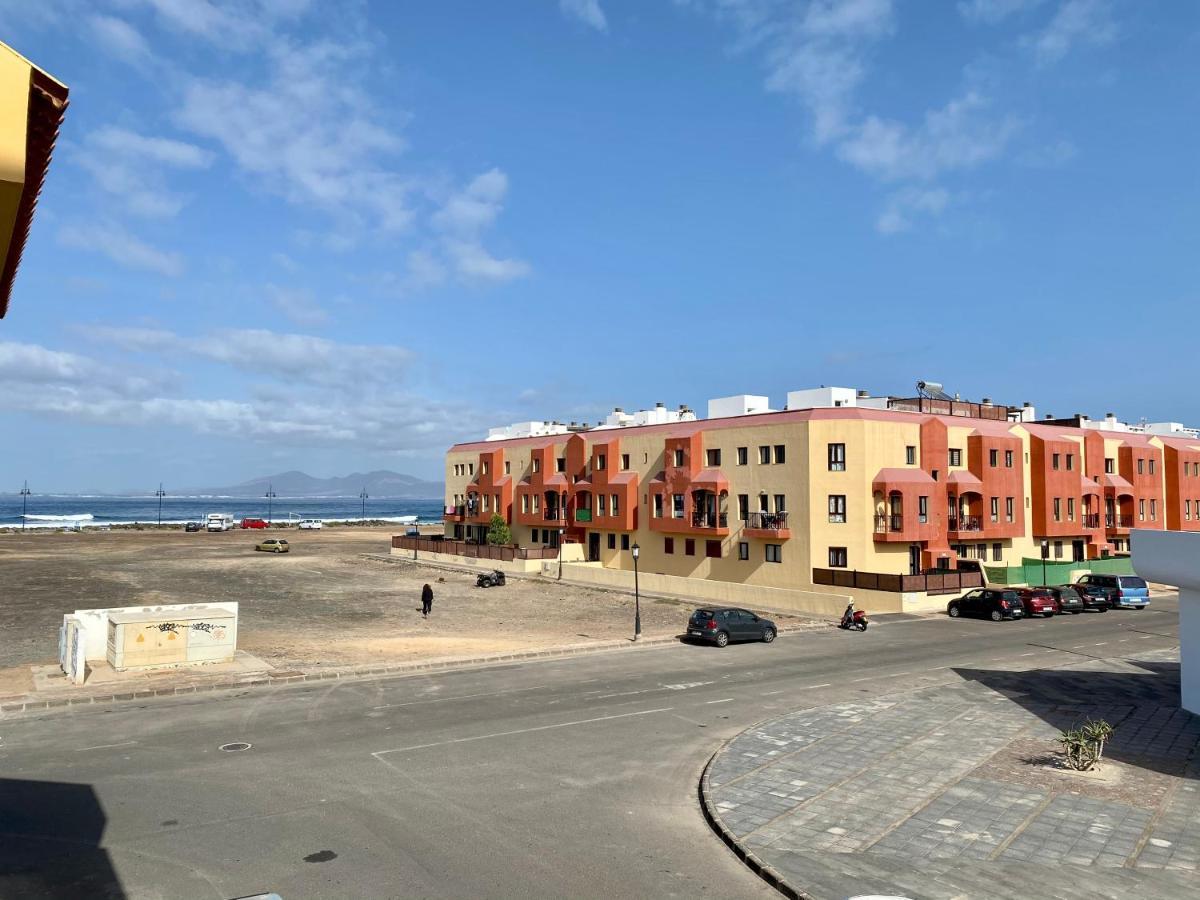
point(1142, 510)
point(995, 509)
point(743, 506)
point(998, 552)
point(1151, 466)
point(1109, 468)
point(612, 542)
point(1141, 463)
point(910, 455)
point(560, 464)
point(507, 467)
point(1008, 459)
point(679, 458)
point(1070, 509)
point(624, 461)
point(1153, 510)
point(601, 504)
point(922, 510)
point(993, 458)
point(624, 542)
point(485, 467)
point(981, 552)
point(615, 507)
point(955, 456)
point(775, 553)
point(743, 456)
point(658, 506)
point(780, 503)
point(470, 468)
point(934, 474)
point(764, 503)
point(837, 507)
point(525, 505)
point(780, 454)
point(677, 506)
point(1187, 509)
point(712, 549)
point(837, 557)
point(712, 457)
point(601, 462)
point(1058, 549)
point(1054, 461)
point(537, 464)
point(837, 457)
point(1057, 509)
point(1070, 461)
point(743, 550)
point(764, 455)
point(689, 547)
point(487, 502)
point(668, 545)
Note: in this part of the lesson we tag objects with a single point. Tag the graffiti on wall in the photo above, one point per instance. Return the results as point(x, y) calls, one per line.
point(211, 628)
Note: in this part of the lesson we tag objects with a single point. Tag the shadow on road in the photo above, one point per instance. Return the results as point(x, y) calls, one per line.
point(50, 842)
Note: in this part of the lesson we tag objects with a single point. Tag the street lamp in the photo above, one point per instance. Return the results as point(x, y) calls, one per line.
point(363, 498)
point(270, 495)
point(25, 492)
point(160, 493)
point(560, 548)
point(1045, 554)
point(637, 596)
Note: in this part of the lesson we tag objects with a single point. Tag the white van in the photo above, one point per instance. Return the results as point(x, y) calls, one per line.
point(220, 522)
point(315, 524)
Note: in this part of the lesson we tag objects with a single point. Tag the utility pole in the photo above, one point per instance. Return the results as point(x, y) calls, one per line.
point(363, 497)
point(270, 495)
point(637, 596)
point(160, 493)
point(25, 492)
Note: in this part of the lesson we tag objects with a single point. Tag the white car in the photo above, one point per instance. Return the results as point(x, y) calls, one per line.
point(310, 524)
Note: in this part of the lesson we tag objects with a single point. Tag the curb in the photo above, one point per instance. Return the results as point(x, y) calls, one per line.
point(763, 870)
point(21, 707)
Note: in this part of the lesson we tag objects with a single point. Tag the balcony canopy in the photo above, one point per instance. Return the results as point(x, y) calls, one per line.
point(710, 479)
point(965, 481)
point(888, 478)
point(1116, 484)
point(1087, 486)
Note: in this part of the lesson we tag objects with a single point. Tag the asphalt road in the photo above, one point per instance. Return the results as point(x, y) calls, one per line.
point(574, 777)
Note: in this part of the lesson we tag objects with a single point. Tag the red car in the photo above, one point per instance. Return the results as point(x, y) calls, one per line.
point(1038, 601)
point(254, 523)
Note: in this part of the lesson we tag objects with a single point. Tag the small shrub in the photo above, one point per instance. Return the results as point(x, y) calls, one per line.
point(1083, 747)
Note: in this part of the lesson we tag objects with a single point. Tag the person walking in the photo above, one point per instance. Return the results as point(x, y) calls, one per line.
point(426, 601)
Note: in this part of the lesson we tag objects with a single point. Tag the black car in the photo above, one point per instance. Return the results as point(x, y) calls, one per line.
point(1068, 598)
point(1094, 596)
point(720, 626)
point(990, 603)
point(194, 526)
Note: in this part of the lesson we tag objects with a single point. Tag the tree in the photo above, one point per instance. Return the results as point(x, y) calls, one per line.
point(498, 533)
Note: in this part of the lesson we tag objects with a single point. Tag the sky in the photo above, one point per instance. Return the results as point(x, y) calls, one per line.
point(336, 235)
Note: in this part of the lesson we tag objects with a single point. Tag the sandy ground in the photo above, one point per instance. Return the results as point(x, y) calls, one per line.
point(323, 604)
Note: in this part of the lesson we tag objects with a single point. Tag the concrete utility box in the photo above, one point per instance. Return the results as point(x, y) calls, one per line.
point(1173, 557)
point(143, 640)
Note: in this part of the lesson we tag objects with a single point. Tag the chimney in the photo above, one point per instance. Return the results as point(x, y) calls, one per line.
point(1081, 417)
point(1111, 416)
point(659, 405)
point(1049, 415)
point(1027, 404)
point(862, 395)
point(987, 401)
point(618, 409)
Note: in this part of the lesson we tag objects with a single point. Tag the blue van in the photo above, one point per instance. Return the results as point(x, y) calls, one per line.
point(1125, 591)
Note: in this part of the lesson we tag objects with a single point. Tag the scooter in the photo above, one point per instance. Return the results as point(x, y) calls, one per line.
point(853, 619)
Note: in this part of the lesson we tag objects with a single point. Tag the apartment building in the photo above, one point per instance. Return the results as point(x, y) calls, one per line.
point(871, 485)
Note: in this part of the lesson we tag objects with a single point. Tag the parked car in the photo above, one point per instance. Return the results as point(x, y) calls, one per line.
point(1094, 597)
point(720, 626)
point(1038, 601)
point(194, 526)
point(494, 578)
point(310, 524)
point(1068, 598)
point(988, 602)
point(254, 523)
point(273, 545)
point(1123, 591)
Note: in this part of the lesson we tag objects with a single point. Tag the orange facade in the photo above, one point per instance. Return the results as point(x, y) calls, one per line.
point(688, 497)
point(1181, 468)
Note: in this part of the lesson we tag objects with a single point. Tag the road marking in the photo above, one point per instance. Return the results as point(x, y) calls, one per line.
point(624, 694)
point(1101, 644)
point(812, 687)
point(105, 746)
point(771, 693)
point(711, 702)
point(1028, 654)
point(483, 737)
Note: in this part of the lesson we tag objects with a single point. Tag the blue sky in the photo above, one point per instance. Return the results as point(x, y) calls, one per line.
point(337, 236)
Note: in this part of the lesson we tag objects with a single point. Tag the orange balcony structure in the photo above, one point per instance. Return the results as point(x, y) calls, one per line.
point(904, 506)
point(607, 500)
point(1181, 468)
point(489, 493)
point(1119, 504)
point(686, 497)
point(768, 526)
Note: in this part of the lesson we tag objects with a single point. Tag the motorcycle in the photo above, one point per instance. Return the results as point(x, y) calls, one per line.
point(494, 578)
point(853, 619)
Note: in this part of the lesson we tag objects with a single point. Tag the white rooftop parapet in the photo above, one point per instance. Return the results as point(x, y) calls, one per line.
point(1173, 557)
point(823, 398)
point(525, 429)
point(737, 405)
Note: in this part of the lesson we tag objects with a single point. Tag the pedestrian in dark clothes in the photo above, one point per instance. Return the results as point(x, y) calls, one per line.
point(426, 601)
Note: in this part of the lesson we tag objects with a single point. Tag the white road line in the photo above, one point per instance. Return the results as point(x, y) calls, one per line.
point(1146, 637)
point(378, 754)
point(624, 694)
point(771, 693)
point(711, 702)
point(813, 687)
point(1101, 644)
point(898, 674)
point(105, 746)
point(1028, 654)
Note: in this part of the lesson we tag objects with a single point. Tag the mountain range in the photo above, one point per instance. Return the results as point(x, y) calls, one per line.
point(381, 483)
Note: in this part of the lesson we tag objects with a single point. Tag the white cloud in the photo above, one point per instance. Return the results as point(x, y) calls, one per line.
point(904, 205)
point(120, 38)
point(237, 24)
point(586, 11)
point(297, 304)
point(991, 12)
point(1076, 22)
point(111, 240)
point(1051, 155)
point(462, 219)
point(129, 166)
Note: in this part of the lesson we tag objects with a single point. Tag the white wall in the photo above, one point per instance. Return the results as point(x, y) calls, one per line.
point(738, 405)
point(93, 623)
point(1173, 557)
point(822, 398)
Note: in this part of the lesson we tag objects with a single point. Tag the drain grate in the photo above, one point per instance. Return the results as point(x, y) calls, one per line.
point(235, 747)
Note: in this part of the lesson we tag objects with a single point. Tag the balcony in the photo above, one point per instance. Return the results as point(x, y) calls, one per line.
point(889, 524)
point(1118, 522)
point(772, 526)
point(455, 513)
point(709, 520)
point(583, 515)
point(965, 524)
point(1090, 520)
point(554, 514)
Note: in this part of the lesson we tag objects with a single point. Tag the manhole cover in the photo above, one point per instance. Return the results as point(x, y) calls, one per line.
point(235, 747)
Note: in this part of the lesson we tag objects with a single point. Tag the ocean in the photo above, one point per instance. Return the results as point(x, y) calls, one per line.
point(65, 510)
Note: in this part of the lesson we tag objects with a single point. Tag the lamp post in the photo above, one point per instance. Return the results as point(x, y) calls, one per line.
point(270, 495)
point(363, 498)
point(560, 549)
point(637, 596)
point(160, 493)
point(1045, 553)
point(25, 492)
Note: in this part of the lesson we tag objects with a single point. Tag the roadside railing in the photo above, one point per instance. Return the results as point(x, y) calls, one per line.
point(477, 551)
point(948, 582)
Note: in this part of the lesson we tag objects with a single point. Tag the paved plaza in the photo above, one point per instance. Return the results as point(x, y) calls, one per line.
point(954, 791)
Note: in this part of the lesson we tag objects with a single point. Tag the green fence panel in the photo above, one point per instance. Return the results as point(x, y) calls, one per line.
point(999, 574)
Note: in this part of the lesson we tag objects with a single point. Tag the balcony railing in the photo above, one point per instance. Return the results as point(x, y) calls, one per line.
point(767, 521)
point(583, 515)
point(1118, 521)
point(710, 520)
point(460, 510)
point(884, 524)
point(965, 523)
point(553, 515)
point(1090, 520)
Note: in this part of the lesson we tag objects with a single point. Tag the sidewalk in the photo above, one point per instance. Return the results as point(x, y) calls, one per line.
point(950, 792)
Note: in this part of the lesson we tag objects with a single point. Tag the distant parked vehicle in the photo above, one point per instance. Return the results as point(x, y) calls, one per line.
point(494, 578)
point(310, 524)
point(254, 523)
point(1121, 591)
point(1094, 597)
point(1038, 601)
point(273, 545)
point(989, 603)
point(219, 522)
point(1068, 598)
point(722, 626)
point(194, 526)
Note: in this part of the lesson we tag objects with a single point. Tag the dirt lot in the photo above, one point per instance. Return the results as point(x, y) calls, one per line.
point(322, 604)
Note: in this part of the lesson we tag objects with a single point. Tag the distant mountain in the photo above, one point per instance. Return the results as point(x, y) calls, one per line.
point(298, 484)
